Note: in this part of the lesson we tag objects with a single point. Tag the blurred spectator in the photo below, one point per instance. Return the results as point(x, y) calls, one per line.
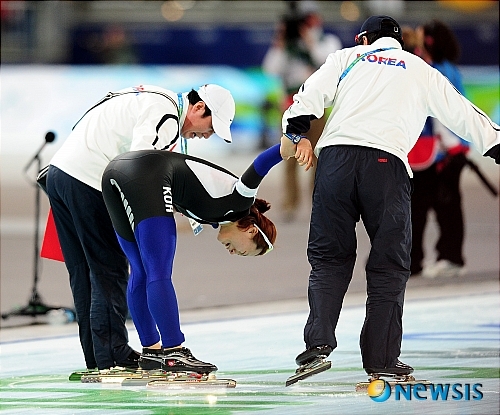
point(17, 21)
point(409, 38)
point(299, 48)
point(437, 161)
point(109, 46)
point(116, 47)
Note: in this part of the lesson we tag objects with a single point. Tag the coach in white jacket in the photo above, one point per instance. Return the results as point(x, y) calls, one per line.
point(138, 118)
point(380, 97)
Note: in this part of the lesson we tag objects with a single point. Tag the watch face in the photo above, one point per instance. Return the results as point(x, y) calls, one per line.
point(294, 138)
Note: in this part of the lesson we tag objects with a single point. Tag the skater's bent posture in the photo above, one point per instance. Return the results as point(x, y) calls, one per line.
point(142, 190)
point(380, 97)
point(137, 118)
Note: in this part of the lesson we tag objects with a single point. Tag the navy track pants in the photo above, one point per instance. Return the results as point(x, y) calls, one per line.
point(354, 182)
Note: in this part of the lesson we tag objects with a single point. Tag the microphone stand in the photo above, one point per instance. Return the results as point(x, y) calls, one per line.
point(35, 305)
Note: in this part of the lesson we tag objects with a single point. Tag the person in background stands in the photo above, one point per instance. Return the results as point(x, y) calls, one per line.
point(437, 161)
point(299, 48)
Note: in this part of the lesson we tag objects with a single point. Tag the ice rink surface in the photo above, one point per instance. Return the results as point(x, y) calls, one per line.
point(247, 316)
point(450, 339)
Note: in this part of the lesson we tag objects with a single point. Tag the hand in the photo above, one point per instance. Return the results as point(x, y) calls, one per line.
point(287, 148)
point(304, 154)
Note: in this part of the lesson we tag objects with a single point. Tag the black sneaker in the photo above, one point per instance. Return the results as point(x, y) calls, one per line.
point(310, 354)
point(131, 362)
point(182, 360)
point(151, 359)
point(399, 369)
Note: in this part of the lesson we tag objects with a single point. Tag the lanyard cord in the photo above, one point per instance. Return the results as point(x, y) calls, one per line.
point(110, 95)
point(182, 139)
point(344, 74)
point(195, 226)
point(180, 107)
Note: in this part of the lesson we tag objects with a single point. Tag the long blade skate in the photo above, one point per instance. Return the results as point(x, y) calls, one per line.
point(318, 365)
point(77, 375)
point(158, 379)
point(402, 380)
point(192, 381)
point(137, 377)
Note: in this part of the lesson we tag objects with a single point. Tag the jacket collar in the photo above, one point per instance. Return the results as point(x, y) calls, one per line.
point(387, 42)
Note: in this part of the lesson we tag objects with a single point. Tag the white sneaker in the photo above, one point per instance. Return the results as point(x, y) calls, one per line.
point(443, 268)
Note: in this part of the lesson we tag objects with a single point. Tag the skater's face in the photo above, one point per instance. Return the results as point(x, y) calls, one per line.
point(238, 241)
point(196, 125)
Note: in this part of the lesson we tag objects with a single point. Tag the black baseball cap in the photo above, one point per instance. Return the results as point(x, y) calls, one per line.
point(384, 25)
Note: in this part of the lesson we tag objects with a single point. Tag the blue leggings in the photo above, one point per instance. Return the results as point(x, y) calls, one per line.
point(150, 293)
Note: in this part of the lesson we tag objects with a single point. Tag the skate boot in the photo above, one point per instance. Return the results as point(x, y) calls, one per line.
point(131, 362)
point(400, 369)
point(400, 374)
point(311, 362)
point(180, 359)
point(314, 352)
point(151, 359)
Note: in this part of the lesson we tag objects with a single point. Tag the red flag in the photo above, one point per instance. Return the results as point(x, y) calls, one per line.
point(51, 248)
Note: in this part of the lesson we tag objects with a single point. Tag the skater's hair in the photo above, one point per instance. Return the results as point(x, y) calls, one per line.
point(441, 42)
point(257, 217)
point(193, 98)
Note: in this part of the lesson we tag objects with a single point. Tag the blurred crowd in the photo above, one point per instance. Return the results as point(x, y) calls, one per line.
point(300, 46)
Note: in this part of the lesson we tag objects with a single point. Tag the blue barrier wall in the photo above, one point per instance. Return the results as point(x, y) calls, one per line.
point(245, 46)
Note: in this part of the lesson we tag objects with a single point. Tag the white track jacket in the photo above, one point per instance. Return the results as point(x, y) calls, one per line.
point(383, 101)
point(144, 117)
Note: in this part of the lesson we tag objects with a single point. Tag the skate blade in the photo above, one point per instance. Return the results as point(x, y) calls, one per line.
point(143, 377)
point(77, 375)
point(405, 381)
point(374, 376)
point(309, 369)
point(210, 382)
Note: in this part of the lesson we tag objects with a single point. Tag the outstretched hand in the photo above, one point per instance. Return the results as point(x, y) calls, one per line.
point(303, 151)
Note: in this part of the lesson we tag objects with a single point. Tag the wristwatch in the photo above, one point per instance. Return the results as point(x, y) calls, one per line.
point(294, 138)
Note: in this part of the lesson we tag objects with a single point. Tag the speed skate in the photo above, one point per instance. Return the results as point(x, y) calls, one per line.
point(117, 370)
point(392, 380)
point(153, 378)
point(318, 365)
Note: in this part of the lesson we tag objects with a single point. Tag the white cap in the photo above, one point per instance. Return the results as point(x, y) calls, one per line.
point(221, 103)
